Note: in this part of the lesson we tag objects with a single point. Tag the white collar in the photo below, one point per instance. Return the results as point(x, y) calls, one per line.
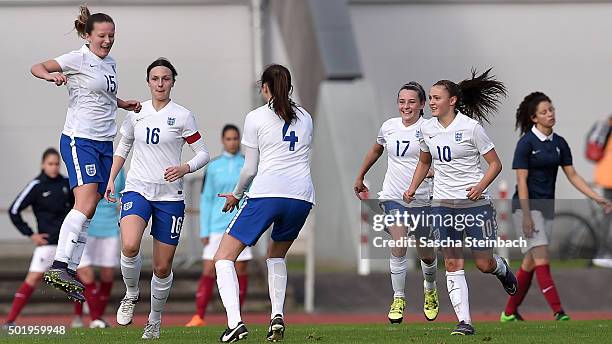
point(540, 135)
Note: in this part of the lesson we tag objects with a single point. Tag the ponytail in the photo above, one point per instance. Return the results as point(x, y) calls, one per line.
point(278, 79)
point(85, 21)
point(478, 96)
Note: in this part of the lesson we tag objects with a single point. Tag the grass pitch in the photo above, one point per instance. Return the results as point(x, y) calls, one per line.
point(438, 333)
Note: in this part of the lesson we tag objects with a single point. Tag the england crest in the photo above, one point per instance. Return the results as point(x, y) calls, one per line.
point(90, 170)
point(418, 134)
point(127, 206)
point(171, 120)
point(458, 136)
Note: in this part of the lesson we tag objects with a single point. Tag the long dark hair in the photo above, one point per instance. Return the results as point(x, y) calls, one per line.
point(527, 109)
point(278, 79)
point(478, 96)
point(85, 21)
point(414, 86)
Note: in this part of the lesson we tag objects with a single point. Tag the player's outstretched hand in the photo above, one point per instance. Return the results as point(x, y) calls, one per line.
point(231, 202)
point(360, 187)
point(39, 239)
point(474, 193)
point(175, 173)
point(409, 196)
point(57, 78)
point(109, 194)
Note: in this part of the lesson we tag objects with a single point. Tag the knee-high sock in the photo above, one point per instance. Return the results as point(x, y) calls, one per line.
point(500, 269)
point(78, 309)
point(458, 293)
point(524, 282)
point(548, 288)
point(160, 289)
point(204, 293)
point(227, 283)
point(277, 284)
point(77, 253)
point(21, 299)
point(429, 274)
point(103, 295)
point(398, 267)
point(130, 270)
point(69, 235)
point(91, 296)
point(243, 284)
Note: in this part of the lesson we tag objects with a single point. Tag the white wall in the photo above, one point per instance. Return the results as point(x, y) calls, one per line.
point(563, 50)
point(211, 47)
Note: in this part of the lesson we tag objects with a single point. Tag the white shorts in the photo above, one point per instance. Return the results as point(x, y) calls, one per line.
point(213, 245)
point(102, 252)
point(42, 259)
point(542, 229)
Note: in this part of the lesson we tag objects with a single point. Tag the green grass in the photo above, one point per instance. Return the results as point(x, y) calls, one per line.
point(514, 333)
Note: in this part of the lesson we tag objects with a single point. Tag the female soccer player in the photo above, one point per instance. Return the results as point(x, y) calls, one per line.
point(538, 155)
point(221, 176)
point(400, 136)
point(90, 75)
point(277, 141)
point(102, 250)
point(50, 198)
point(454, 140)
point(154, 189)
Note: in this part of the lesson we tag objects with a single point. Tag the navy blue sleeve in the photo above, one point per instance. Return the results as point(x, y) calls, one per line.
point(23, 200)
point(521, 155)
point(565, 153)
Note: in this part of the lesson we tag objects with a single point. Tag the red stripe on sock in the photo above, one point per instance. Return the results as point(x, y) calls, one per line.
point(548, 288)
point(524, 282)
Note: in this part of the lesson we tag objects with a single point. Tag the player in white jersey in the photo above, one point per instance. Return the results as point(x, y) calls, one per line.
point(277, 142)
point(86, 144)
point(400, 136)
point(154, 189)
point(454, 140)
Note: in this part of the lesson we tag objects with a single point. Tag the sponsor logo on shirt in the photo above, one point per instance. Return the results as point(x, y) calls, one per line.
point(534, 152)
point(90, 170)
point(46, 193)
point(171, 120)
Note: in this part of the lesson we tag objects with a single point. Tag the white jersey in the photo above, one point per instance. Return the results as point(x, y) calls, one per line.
point(284, 154)
point(455, 153)
point(92, 89)
point(402, 144)
point(158, 143)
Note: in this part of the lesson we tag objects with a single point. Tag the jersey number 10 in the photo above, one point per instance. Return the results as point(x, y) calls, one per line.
point(444, 154)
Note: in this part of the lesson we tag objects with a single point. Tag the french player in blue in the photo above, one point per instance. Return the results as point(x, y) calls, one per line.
point(538, 155)
point(454, 140)
point(277, 143)
point(221, 176)
point(86, 144)
point(154, 189)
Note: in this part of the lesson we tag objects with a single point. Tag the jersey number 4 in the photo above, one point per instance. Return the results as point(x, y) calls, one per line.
point(292, 139)
point(152, 136)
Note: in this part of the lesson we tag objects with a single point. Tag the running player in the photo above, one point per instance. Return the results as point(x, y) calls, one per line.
point(400, 136)
point(221, 176)
point(154, 189)
point(102, 250)
point(86, 144)
point(538, 155)
point(277, 141)
point(454, 140)
point(50, 198)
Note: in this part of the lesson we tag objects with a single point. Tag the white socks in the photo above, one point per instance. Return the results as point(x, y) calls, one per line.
point(458, 293)
point(429, 274)
point(77, 253)
point(398, 267)
point(227, 283)
point(277, 284)
point(130, 270)
point(69, 235)
point(500, 270)
point(160, 289)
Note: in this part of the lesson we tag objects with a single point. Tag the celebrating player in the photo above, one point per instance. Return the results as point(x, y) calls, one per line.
point(154, 189)
point(454, 140)
point(90, 75)
point(537, 157)
point(221, 176)
point(277, 141)
point(50, 198)
point(400, 136)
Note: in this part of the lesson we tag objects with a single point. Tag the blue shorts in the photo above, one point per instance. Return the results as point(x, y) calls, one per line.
point(478, 223)
point(167, 215)
point(257, 214)
point(87, 161)
point(417, 218)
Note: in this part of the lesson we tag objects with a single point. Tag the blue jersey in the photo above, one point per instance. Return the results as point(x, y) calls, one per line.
point(541, 155)
point(105, 222)
point(221, 176)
